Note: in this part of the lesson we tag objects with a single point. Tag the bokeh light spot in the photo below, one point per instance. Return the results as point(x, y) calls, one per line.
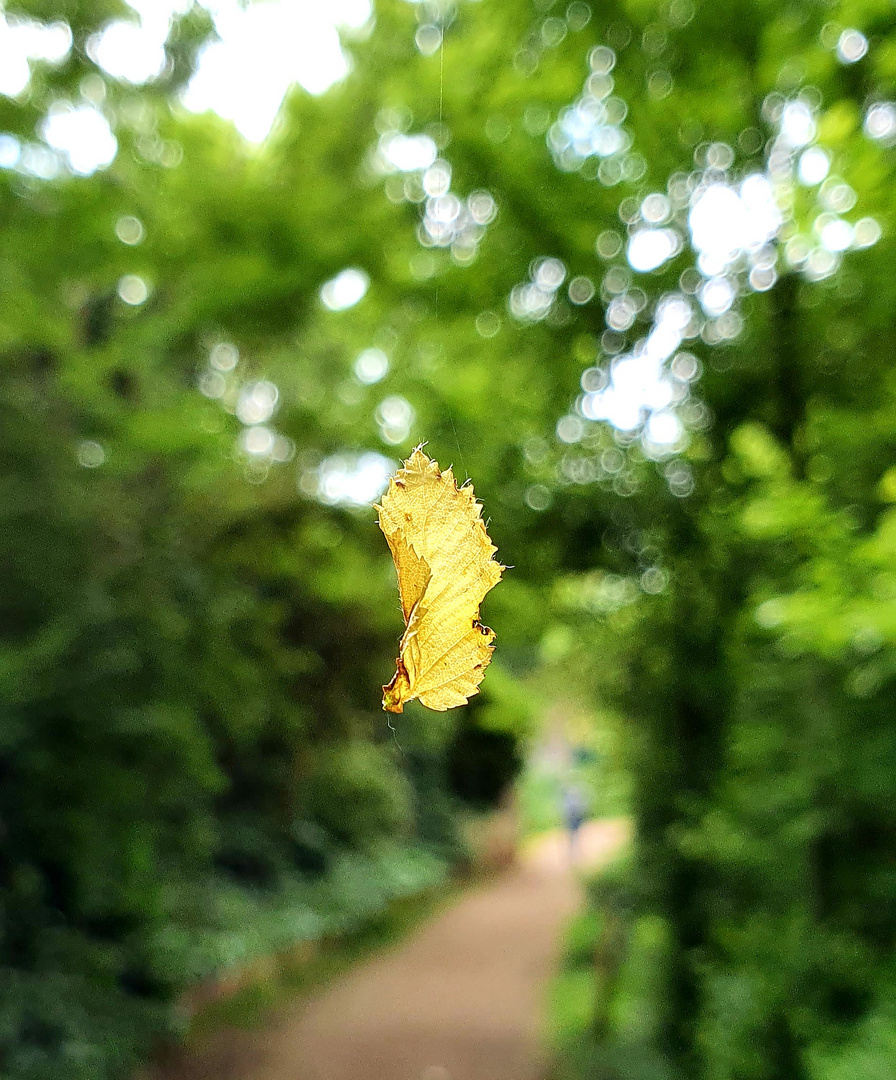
point(257, 439)
point(10, 151)
point(256, 402)
point(538, 497)
point(129, 230)
point(83, 134)
point(654, 580)
point(570, 429)
point(213, 384)
point(880, 122)
point(23, 40)
point(371, 366)
point(224, 356)
point(648, 249)
point(262, 50)
point(578, 15)
point(349, 480)
point(852, 45)
point(345, 290)
point(866, 232)
point(487, 324)
point(602, 60)
point(133, 290)
point(408, 152)
point(581, 290)
point(797, 123)
point(428, 38)
point(608, 244)
point(129, 50)
point(655, 209)
point(90, 454)
point(814, 166)
point(717, 295)
point(395, 416)
point(836, 235)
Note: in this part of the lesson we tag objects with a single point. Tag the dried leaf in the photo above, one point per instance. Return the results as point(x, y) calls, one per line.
point(445, 566)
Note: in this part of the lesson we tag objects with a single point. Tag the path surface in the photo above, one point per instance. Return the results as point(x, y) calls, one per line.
point(460, 999)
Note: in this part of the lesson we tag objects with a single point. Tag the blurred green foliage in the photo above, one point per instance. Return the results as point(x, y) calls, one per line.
point(754, 937)
point(193, 634)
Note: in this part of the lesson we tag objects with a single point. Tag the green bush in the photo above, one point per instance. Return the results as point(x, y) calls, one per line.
point(357, 795)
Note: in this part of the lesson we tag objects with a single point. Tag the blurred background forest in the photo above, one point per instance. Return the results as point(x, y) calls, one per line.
point(628, 264)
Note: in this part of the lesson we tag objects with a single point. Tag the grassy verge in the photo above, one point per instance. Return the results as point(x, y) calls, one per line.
point(606, 1001)
point(290, 977)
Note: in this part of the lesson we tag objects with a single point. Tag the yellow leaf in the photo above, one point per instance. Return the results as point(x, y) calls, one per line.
point(445, 566)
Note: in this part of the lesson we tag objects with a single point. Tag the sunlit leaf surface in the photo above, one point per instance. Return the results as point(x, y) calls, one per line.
point(445, 563)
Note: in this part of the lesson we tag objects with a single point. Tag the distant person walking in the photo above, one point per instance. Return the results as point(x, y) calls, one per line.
point(574, 814)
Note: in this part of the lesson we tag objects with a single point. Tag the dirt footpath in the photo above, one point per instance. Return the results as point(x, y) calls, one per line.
point(460, 999)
